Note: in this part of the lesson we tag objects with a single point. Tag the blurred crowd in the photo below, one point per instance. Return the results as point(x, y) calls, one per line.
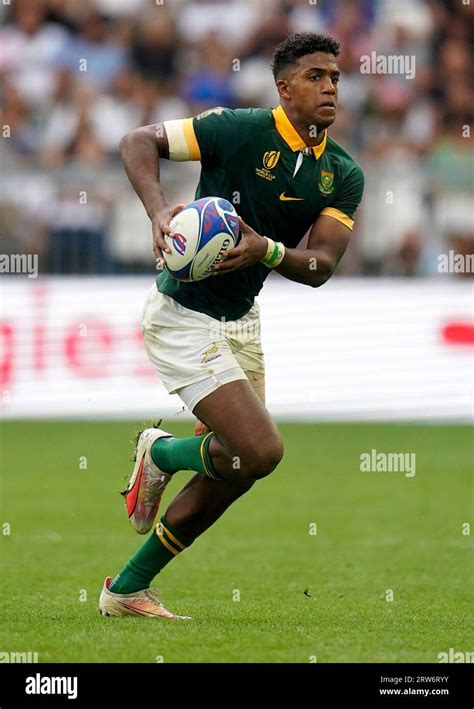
point(75, 75)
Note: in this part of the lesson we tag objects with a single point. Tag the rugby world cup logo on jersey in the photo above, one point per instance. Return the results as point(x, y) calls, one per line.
point(269, 160)
point(326, 182)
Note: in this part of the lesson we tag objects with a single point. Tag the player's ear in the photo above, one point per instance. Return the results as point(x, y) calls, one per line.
point(282, 88)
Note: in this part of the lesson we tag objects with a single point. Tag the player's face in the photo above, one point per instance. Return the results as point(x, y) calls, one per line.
point(311, 86)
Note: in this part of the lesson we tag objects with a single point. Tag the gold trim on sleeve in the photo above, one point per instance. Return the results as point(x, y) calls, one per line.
point(191, 140)
point(340, 216)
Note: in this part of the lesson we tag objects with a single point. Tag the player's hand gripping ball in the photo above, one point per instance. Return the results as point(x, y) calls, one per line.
point(201, 233)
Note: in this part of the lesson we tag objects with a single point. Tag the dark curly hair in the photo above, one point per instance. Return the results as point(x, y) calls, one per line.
point(298, 45)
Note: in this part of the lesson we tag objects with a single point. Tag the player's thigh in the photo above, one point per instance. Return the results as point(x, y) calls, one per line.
point(242, 423)
point(256, 381)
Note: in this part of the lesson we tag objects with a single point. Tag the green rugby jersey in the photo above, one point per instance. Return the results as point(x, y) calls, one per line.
point(256, 160)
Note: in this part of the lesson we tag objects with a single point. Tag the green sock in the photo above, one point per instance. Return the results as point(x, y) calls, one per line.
point(173, 454)
point(161, 547)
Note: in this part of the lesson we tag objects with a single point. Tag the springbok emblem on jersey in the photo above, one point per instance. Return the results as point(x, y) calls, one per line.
point(326, 182)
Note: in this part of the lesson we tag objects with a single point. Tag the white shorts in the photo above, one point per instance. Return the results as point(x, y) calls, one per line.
point(195, 354)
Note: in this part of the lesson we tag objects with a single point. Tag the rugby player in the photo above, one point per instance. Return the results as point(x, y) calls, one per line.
point(285, 176)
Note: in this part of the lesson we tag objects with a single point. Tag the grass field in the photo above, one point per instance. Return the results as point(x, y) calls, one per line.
point(376, 532)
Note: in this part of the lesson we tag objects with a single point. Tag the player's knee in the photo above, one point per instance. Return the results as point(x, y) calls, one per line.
point(262, 457)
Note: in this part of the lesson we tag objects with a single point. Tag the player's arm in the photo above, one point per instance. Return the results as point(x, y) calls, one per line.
point(141, 151)
point(328, 238)
point(327, 241)
point(313, 266)
point(209, 137)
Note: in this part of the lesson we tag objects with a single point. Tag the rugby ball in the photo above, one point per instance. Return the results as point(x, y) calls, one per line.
point(202, 233)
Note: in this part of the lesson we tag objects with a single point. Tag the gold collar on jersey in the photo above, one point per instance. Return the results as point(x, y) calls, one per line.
point(290, 135)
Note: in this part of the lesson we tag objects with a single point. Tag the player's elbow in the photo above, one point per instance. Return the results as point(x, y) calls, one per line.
point(132, 136)
point(143, 140)
point(135, 138)
point(320, 279)
point(126, 141)
point(127, 138)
